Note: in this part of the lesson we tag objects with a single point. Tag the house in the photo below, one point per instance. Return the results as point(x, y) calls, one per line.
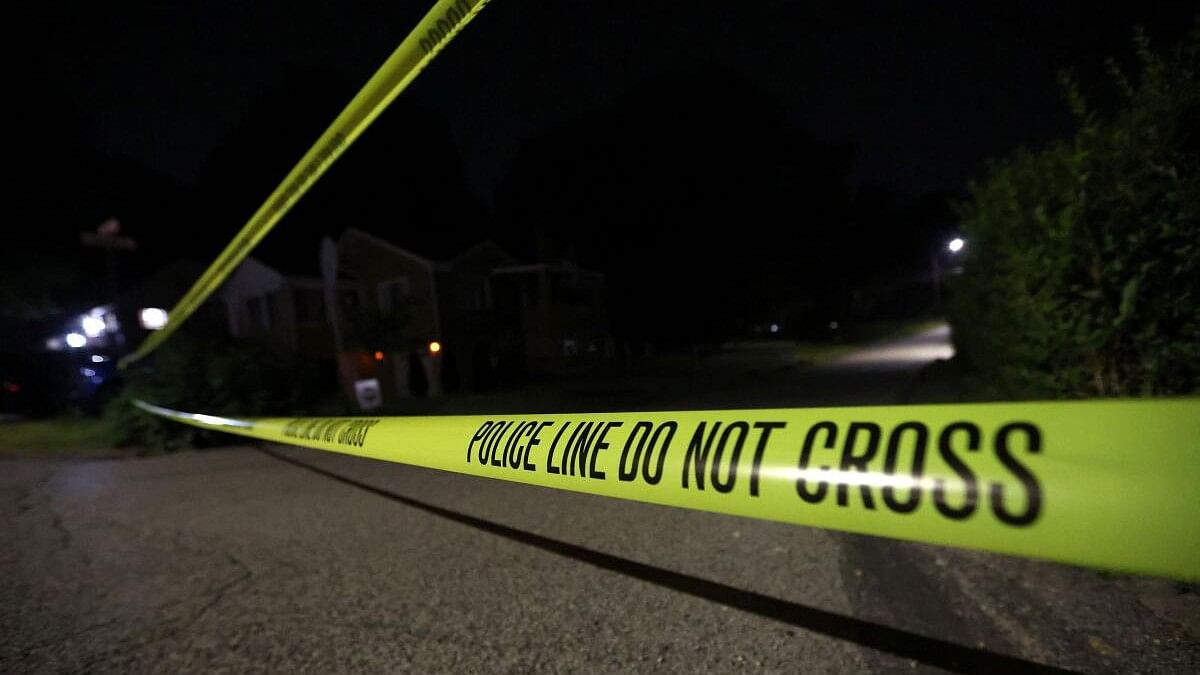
point(422, 302)
point(560, 309)
point(497, 319)
point(287, 310)
point(420, 325)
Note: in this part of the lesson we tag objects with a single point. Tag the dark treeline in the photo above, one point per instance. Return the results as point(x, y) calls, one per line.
point(61, 186)
point(402, 179)
point(707, 209)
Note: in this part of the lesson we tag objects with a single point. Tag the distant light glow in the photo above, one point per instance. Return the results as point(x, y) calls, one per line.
point(833, 325)
point(925, 347)
point(956, 244)
point(435, 347)
point(378, 356)
point(75, 340)
point(152, 318)
point(96, 358)
point(12, 387)
point(87, 372)
point(93, 326)
point(774, 328)
point(54, 344)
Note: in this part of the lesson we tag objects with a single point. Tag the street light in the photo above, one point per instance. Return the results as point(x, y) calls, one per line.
point(956, 244)
point(75, 340)
point(152, 318)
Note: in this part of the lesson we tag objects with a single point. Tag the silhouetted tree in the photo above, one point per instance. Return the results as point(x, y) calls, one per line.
point(697, 196)
point(401, 179)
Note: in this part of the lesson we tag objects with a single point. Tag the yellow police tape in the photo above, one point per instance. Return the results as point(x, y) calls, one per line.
point(434, 31)
point(1109, 484)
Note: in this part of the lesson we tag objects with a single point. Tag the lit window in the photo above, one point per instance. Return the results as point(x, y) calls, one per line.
point(392, 295)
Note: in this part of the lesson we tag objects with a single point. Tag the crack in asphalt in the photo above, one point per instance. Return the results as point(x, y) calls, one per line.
point(58, 640)
point(180, 626)
point(39, 493)
point(25, 493)
point(220, 592)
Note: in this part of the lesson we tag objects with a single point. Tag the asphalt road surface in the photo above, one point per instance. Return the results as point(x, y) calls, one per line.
point(291, 560)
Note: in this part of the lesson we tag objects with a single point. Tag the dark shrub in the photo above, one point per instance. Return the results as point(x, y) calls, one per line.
point(1082, 274)
point(217, 376)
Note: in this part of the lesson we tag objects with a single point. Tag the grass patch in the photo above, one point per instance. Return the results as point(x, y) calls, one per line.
point(58, 437)
point(821, 353)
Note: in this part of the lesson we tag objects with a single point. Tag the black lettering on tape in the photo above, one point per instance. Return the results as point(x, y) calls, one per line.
point(697, 453)
point(601, 444)
point(482, 455)
point(916, 470)
point(1033, 490)
point(726, 485)
point(817, 494)
point(494, 449)
point(970, 484)
point(550, 468)
point(480, 434)
point(330, 431)
point(857, 462)
point(575, 454)
point(512, 449)
point(656, 476)
point(627, 468)
point(444, 25)
point(534, 441)
point(342, 431)
point(647, 441)
point(766, 428)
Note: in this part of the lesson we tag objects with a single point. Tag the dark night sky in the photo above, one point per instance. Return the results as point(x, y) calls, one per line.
point(822, 143)
point(926, 91)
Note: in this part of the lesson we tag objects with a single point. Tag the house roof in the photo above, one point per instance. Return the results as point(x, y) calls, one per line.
point(431, 242)
point(484, 248)
point(561, 266)
point(379, 241)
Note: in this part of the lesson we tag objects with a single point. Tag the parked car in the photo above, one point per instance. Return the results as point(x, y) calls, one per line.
point(41, 384)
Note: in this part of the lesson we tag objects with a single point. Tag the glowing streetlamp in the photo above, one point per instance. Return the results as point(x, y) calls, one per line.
point(152, 318)
point(956, 244)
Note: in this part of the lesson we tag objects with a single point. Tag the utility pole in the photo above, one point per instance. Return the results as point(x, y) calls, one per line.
point(109, 238)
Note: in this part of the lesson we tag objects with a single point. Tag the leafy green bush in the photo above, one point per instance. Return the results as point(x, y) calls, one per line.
point(218, 376)
point(1083, 271)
